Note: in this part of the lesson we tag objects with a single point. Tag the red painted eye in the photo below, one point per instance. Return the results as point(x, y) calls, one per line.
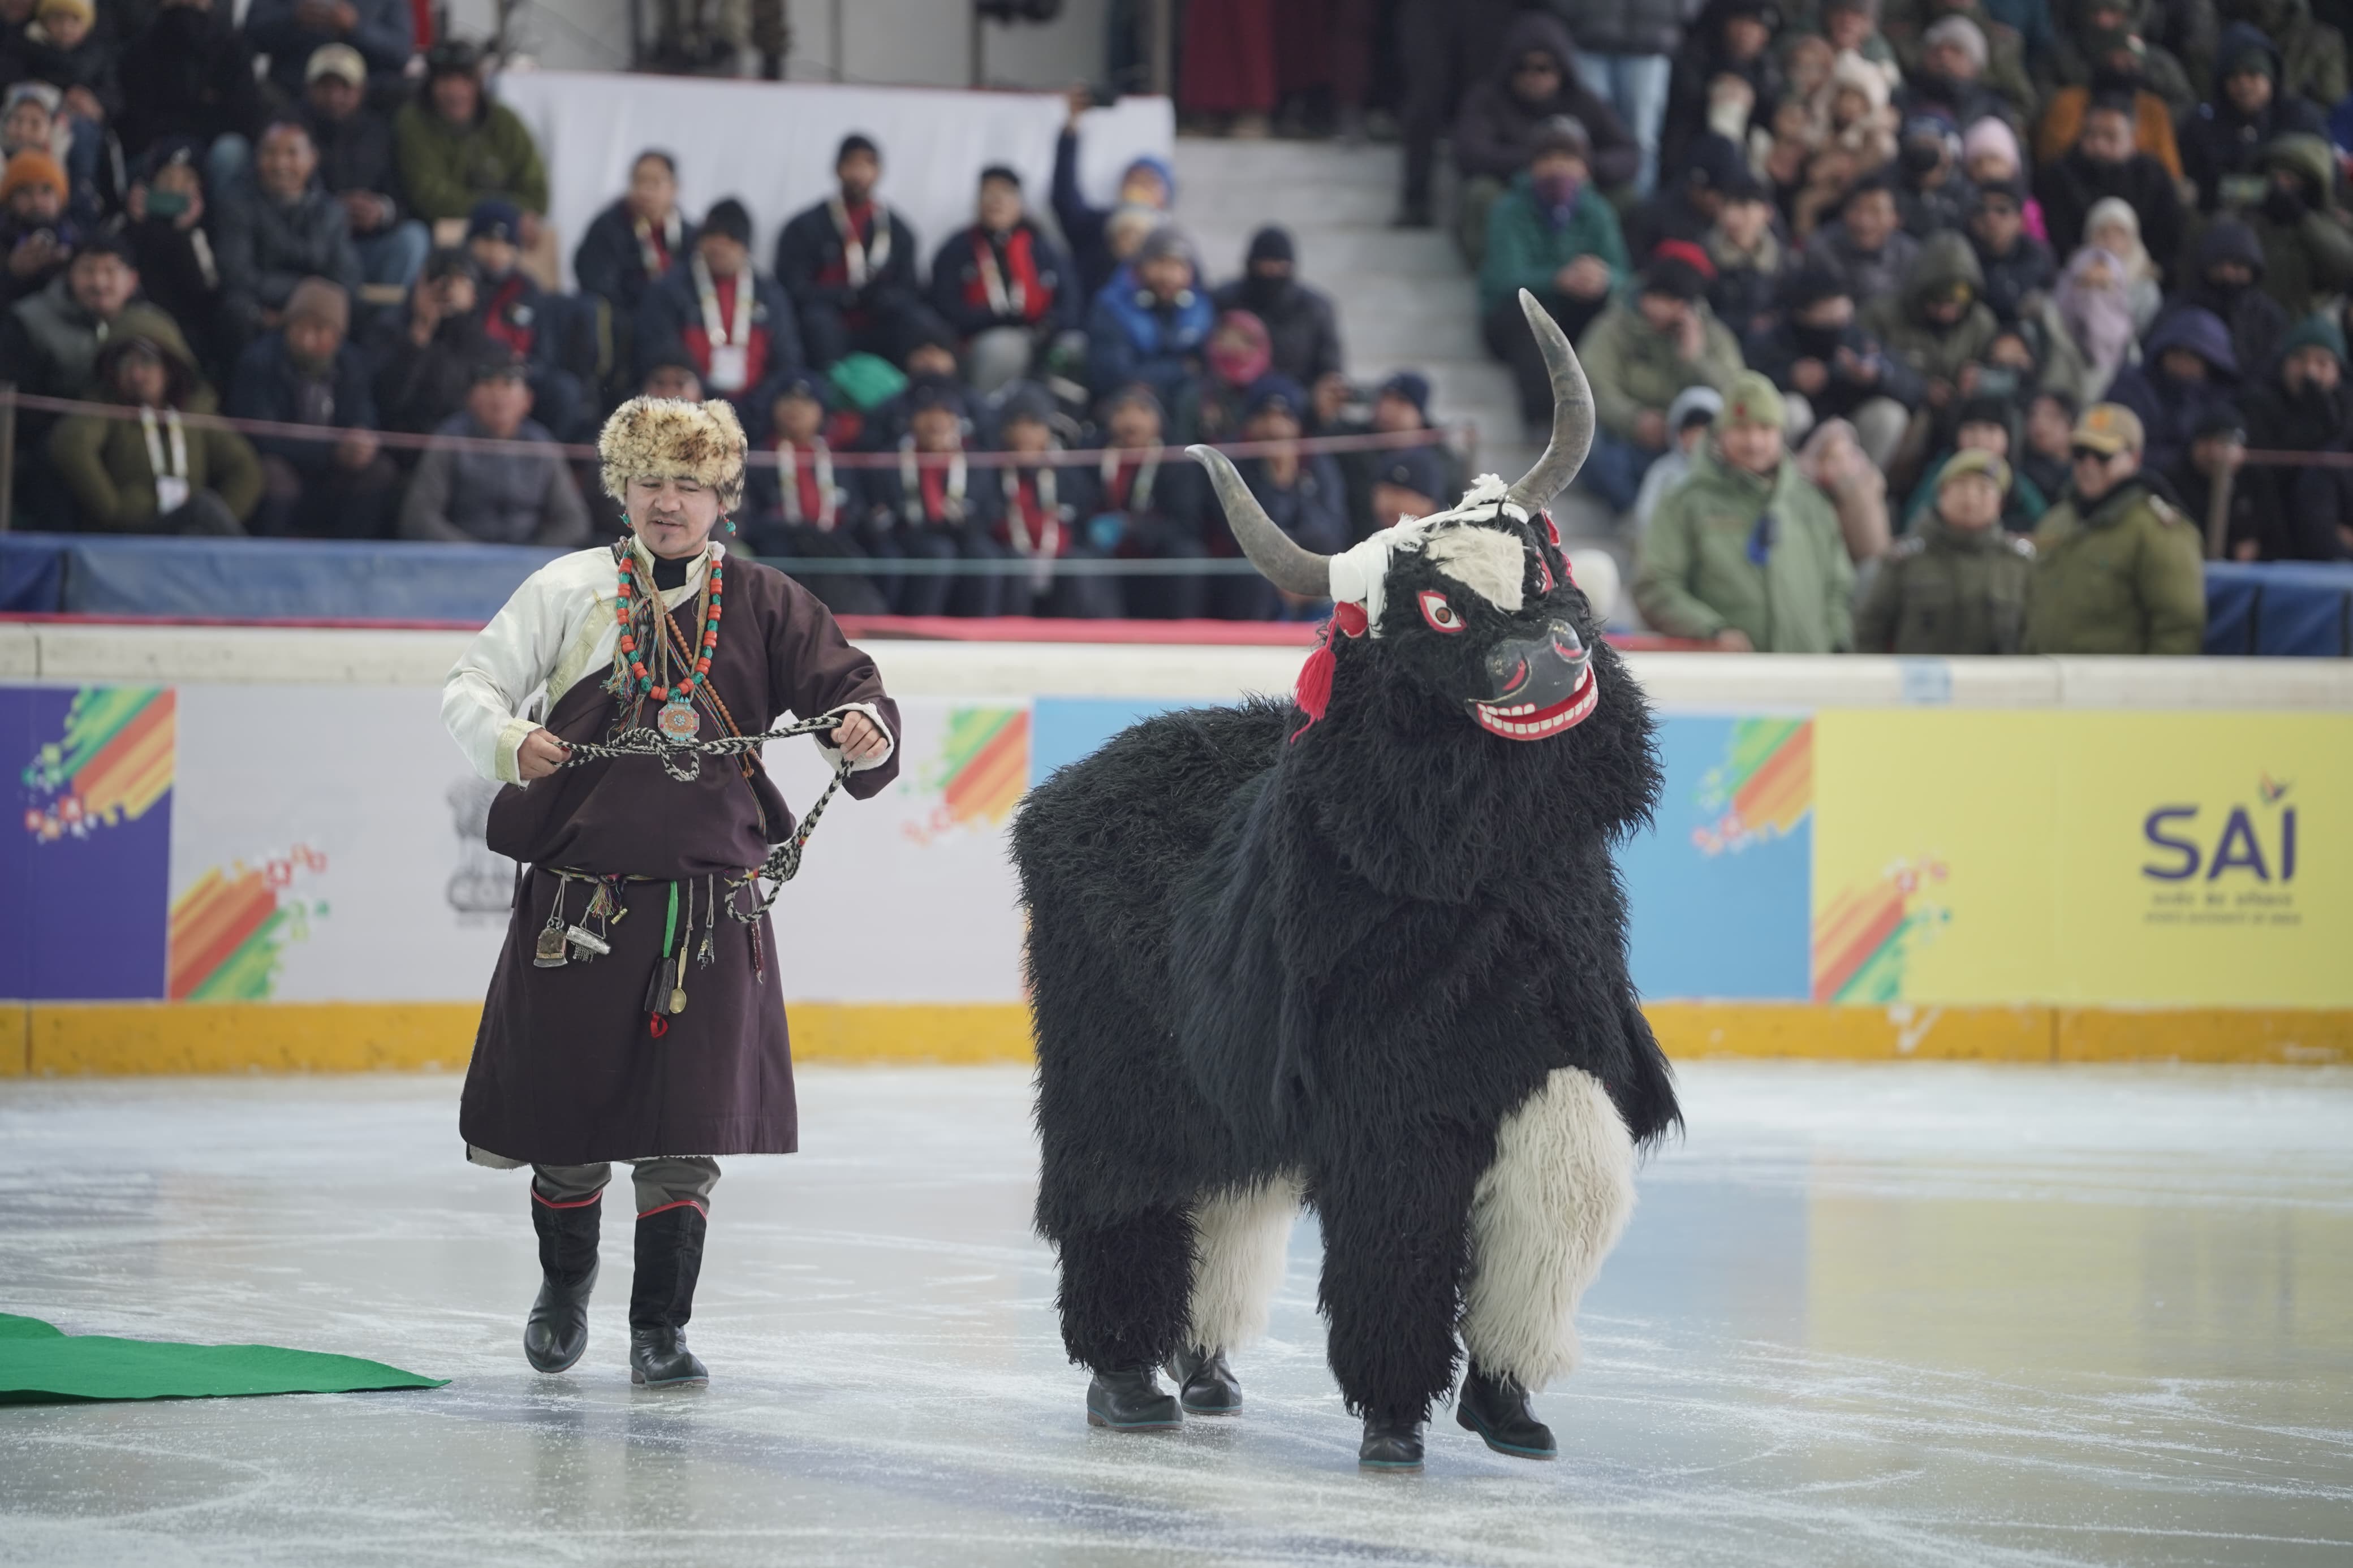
point(1552, 529)
point(1438, 613)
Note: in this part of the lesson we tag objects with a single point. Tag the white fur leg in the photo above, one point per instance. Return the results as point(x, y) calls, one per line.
point(1240, 1239)
point(1544, 1216)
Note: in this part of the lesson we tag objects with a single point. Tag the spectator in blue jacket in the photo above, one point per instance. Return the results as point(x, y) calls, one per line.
point(290, 31)
point(1148, 182)
point(308, 371)
point(2188, 370)
point(1304, 495)
point(1150, 323)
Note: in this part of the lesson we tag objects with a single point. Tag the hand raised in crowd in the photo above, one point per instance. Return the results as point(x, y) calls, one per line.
point(1330, 396)
point(1690, 337)
point(1586, 278)
point(36, 251)
point(860, 739)
point(540, 754)
point(1077, 99)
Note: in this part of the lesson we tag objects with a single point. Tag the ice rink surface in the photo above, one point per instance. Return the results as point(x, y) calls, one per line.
point(1915, 1314)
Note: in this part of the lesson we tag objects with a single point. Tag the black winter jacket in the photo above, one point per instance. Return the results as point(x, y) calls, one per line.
point(1495, 129)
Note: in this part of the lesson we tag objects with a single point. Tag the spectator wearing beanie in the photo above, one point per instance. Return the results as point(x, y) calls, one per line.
point(1554, 234)
point(277, 229)
point(1866, 245)
point(1992, 426)
point(1829, 367)
point(2015, 264)
point(848, 264)
point(933, 506)
point(1303, 330)
point(64, 47)
point(1750, 256)
point(1006, 288)
point(517, 316)
point(1151, 510)
point(804, 506)
point(1147, 191)
point(1747, 552)
point(1956, 584)
point(1690, 417)
point(1641, 351)
point(1957, 76)
point(2216, 449)
point(425, 354)
point(2118, 568)
point(456, 147)
point(2225, 275)
point(1989, 156)
point(2222, 137)
point(2187, 372)
point(1304, 495)
point(382, 32)
point(1399, 406)
point(188, 74)
point(1410, 482)
point(163, 213)
point(308, 371)
point(33, 119)
point(357, 166)
point(2300, 402)
point(1150, 324)
point(154, 474)
point(35, 236)
point(1535, 81)
point(462, 494)
point(1932, 193)
point(714, 309)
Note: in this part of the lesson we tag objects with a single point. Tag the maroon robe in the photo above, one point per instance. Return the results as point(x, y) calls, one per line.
point(567, 1070)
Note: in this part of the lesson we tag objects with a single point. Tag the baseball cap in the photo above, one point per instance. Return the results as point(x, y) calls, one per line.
point(1975, 462)
point(336, 59)
point(2108, 428)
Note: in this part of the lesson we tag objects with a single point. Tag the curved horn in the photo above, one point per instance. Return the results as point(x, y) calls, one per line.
point(1279, 559)
point(1572, 414)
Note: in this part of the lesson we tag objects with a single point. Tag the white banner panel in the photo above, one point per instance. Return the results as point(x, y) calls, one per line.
point(772, 144)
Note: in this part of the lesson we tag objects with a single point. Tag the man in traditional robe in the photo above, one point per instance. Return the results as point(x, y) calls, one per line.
point(589, 1050)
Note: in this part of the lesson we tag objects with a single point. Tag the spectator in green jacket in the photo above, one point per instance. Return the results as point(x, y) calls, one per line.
point(2118, 568)
point(1747, 552)
point(1653, 342)
point(456, 147)
point(154, 473)
point(1957, 584)
point(1552, 234)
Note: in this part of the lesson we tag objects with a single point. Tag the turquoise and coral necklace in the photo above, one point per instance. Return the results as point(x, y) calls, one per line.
point(677, 719)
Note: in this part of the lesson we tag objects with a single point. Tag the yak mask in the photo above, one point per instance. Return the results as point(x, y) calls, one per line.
point(1475, 604)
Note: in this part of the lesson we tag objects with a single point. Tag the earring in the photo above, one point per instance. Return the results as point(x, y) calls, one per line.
point(730, 522)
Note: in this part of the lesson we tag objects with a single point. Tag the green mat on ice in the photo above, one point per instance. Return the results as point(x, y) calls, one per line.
point(41, 1365)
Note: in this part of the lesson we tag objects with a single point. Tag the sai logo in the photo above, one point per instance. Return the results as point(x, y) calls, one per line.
point(2265, 850)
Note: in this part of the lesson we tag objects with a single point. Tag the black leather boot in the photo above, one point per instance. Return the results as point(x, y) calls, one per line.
point(556, 1332)
point(1205, 1384)
point(661, 1299)
point(1391, 1443)
point(1131, 1400)
point(1497, 1409)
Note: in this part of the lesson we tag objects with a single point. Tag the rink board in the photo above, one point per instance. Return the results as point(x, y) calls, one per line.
point(232, 875)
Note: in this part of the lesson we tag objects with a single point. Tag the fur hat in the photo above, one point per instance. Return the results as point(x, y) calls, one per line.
point(664, 436)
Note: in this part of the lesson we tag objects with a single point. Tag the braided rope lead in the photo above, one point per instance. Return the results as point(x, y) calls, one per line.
point(683, 759)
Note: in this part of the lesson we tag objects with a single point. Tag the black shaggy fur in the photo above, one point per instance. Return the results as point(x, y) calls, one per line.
point(1348, 957)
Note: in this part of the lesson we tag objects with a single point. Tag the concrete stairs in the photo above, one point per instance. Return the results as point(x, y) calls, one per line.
point(1406, 301)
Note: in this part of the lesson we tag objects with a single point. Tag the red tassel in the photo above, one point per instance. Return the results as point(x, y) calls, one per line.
point(1313, 695)
point(658, 1027)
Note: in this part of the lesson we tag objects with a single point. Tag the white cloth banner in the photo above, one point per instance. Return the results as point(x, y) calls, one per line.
point(771, 145)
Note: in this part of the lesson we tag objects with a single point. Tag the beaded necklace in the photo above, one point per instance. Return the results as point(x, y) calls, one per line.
point(677, 719)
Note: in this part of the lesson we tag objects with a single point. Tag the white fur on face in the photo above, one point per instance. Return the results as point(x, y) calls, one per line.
point(1490, 562)
point(1544, 1215)
point(1240, 1239)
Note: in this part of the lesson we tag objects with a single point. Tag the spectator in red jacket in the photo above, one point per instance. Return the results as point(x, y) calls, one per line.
point(1006, 288)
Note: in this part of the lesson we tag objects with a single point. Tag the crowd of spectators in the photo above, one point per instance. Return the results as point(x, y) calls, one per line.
point(1926, 325)
point(261, 243)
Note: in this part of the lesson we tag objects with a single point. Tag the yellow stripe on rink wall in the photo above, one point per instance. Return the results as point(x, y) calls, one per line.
point(95, 1039)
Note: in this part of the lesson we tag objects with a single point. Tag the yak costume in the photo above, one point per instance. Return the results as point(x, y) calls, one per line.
point(635, 1013)
point(1365, 951)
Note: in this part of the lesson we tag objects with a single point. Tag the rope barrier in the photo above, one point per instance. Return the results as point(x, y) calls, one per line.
point(766, 458)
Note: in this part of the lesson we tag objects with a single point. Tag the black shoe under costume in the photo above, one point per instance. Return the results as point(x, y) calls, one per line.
point(556, 1335)
point(661, 1298)
point(1497, 1409)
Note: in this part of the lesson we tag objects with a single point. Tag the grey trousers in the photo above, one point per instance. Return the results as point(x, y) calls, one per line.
point(662, 1182)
